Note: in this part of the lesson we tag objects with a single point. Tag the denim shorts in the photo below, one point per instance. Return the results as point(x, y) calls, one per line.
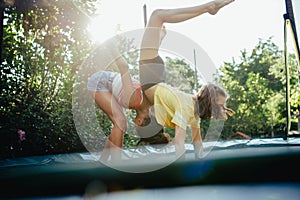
point(101, 81)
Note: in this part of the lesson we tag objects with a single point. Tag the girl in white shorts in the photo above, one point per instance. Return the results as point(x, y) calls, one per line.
point(112, 92)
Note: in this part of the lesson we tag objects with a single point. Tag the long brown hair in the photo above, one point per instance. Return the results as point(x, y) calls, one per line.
point(206, 102)
point(159, 138)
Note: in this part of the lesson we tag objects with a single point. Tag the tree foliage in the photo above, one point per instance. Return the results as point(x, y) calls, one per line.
point(43, 45)
point(256, 86)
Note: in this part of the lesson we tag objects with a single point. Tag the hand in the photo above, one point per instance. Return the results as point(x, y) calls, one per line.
point(198, 150)
point(229, 111)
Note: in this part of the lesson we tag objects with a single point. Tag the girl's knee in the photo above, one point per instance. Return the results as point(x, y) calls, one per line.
point(157, 12)
point(157, 15)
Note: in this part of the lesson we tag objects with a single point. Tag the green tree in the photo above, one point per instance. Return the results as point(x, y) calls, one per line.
point(44, 42)
point(180, 75)
point(257, 91)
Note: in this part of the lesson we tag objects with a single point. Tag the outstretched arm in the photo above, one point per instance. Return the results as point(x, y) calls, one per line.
point(129, 95)
point(197, 142)
point(179, 140)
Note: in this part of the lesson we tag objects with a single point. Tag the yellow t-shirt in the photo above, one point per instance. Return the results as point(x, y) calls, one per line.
point(174, 107)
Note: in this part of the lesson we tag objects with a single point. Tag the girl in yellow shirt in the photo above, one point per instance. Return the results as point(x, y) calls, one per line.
point(173, 108)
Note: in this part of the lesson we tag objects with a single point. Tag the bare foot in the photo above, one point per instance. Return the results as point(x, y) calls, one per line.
point(217, 5)
point(163, 33)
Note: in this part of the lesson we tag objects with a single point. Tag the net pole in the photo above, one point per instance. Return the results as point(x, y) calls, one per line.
point(287, 77)
point(145, 14)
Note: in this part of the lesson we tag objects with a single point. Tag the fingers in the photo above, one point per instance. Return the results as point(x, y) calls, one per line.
point(229, 111)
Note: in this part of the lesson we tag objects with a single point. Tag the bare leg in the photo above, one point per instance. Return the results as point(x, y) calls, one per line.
point(113, 145)
point(152, 36)
point(106, 151)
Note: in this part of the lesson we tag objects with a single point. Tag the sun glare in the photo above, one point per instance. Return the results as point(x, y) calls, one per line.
point(114, 17)
point(101, 29)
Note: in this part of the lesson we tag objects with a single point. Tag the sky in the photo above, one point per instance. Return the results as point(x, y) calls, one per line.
point(237, 27)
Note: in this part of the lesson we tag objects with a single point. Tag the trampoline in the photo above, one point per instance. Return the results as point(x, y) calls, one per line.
point(268, 164)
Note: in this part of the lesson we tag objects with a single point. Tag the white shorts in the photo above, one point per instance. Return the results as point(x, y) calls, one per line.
point(101, 81)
